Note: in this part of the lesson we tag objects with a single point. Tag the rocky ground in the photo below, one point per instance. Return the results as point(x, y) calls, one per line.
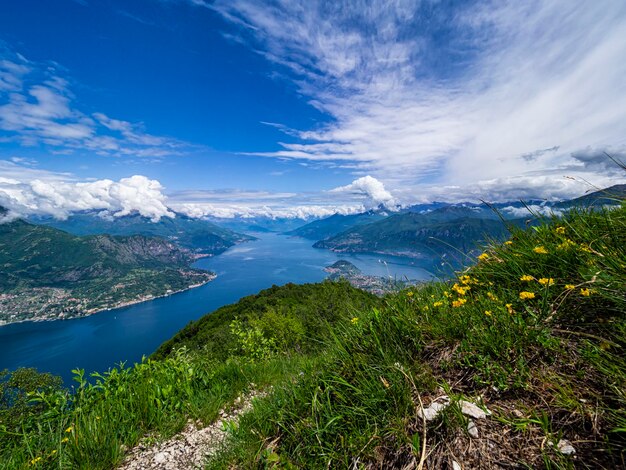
point(190, 448)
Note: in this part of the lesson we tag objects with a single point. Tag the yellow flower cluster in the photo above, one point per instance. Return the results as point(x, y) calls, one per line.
point(439, 303)
point(566, 244)
point(483, 257)
point(526, 278)
point(465, 279)
point(585, 292)
point(570, 286)
point(355, 320)
point(524, 295)
point(459, 302)
point(35, 460)
point(492, 296)
point(560, 230)
point(488, 313)
point(540, 250)
point(586, 249)
point(461, 290)
point(509, 307)
point(508, 242)
point(546, 281)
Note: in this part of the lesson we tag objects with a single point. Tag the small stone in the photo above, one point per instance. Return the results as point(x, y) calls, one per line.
point(160, 457)
point(431, 412)
point(473, 411)
point(472, 430)
point(518, 414)
point(456, 465)
point(565, 447)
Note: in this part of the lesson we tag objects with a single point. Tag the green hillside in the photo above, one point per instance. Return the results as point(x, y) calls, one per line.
point(47, 273)
point(453, 231)
point(336, 223)
point(524, 353)
point(198, 235)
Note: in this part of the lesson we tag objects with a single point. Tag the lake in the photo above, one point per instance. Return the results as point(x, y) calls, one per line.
point(99, 342)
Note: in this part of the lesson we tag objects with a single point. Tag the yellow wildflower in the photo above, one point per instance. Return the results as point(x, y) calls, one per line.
point(64, 440)
point(483, 257)
point(585, 292)
point(465, 279)
point(460, 290)
point(447, 294)
point(426, 309)
point(560, 230)
point(492, 296)
point(508, 242)
point(35, 460)
point(526, 295)
point(439, 303)
point(409, 294)
point(488, 313)
point(459, 302)
point(509, 307)
point(540, 250)
point(526, 278)
point(70, 429)
point(570, 286)
point(355, 320)
point(586, 249)
point(566, 245)
point(545, 281)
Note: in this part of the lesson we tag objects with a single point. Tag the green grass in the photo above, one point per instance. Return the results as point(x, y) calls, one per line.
point(559, 356)
point(535, 330)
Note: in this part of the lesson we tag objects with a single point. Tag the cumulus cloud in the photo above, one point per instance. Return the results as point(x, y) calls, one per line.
point(37, 107)
point(48, 194)
point(370, 187)
point(472, 92)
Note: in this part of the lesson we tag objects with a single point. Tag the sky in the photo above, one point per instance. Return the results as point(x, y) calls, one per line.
point(302, 108)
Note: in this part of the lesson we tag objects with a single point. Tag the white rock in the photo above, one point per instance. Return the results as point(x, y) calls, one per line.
point(472, 430)
point(565, 447)
point(431, 412)
point(160, 457)
point(456, 465)
point(473, 411)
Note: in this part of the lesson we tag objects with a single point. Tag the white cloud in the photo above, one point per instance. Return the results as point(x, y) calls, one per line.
point(41, 193)
point(230, 211)
point(373, 189)
point(37, 107)
point(456, 95)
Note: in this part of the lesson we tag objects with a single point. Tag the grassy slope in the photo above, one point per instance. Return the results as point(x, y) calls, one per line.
point(551, 366)
point(90, 429)
point(550, 363)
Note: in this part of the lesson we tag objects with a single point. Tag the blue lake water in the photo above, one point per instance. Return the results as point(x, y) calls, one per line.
point(99, 342)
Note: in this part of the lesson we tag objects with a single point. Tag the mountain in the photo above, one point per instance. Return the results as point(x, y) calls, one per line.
point(200, 236)
point(260, 223)
point(48, 273)
point(517, 362)
point(450, 230)
point(337, 223)
point(611, 196)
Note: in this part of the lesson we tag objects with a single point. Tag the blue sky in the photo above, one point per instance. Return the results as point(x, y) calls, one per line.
point(305, 107)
